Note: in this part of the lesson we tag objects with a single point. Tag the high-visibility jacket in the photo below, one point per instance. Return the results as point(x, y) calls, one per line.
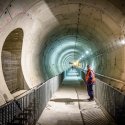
point(90, 77)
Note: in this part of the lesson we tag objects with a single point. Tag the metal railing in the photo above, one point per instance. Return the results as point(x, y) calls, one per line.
point(107, 77)
point(110, 98)
point(27, 109)
point(18, 111)
point(110, 78)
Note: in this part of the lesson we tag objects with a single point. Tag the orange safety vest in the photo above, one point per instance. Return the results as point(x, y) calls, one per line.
point(90, 76)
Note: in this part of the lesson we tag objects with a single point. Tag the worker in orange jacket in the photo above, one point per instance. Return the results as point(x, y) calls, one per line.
point(90, 81)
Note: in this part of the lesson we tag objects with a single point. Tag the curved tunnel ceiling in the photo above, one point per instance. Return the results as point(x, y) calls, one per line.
point(59, 52)
point(63, 31)
point(83, 30)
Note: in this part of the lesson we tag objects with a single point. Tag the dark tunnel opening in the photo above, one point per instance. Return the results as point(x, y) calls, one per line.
point(11, 61)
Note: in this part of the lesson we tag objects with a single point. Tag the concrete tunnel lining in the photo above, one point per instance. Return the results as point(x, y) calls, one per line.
point(45, 19)
point(54, 50)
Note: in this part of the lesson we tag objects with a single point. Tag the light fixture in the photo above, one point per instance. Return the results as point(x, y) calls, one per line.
point(123, 42)
point(87, 52)
point(76, 63)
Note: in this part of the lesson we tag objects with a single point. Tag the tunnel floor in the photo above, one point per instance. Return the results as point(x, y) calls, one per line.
point(69, 106)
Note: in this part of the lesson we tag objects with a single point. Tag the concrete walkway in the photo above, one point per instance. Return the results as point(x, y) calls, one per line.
point(69, 106)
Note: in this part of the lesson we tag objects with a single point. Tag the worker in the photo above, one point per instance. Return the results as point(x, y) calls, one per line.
point(90, 81)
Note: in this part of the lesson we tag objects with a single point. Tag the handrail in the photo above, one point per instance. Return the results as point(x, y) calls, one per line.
point(28, 91)
point(117, 80)
point(27, 108)
point(37, 86)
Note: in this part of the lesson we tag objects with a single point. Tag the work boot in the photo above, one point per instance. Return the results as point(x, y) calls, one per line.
point(91, 99)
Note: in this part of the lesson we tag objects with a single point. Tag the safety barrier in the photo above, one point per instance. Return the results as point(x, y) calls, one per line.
point(112, 100)
point(25, 110)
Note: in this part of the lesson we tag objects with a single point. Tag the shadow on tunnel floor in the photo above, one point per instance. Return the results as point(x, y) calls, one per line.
point(68, 100)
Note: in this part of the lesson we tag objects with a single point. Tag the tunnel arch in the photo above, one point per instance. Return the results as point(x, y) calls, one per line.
point(61, 50)
point(11, 61)
point(45, 19)
point(99, 26)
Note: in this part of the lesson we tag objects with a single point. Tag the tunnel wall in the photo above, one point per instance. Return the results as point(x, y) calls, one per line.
point(35, 28)
point(112, 100)
point(11, 61)
point(12, 71)
point(39, 18)
point(111, 64)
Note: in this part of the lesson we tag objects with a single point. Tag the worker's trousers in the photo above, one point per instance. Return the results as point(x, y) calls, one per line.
point(90, 90)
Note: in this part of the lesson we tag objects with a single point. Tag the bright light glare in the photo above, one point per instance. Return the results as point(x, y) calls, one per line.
point(123, 42)
point(77, 64)
point(87, 52)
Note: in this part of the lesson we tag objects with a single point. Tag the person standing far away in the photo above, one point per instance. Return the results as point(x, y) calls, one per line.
point(90, 81)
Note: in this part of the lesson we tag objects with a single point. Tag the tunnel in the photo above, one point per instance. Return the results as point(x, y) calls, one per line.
point(45, 47)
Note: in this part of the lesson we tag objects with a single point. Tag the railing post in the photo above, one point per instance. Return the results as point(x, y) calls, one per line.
point(34, 99)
